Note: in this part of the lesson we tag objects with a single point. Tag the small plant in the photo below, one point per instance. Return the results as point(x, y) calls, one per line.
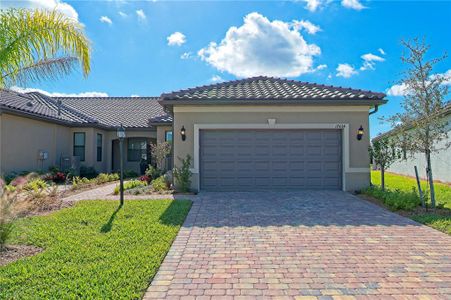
point(104, 178)
point(7, 202)
point(153, 172)
point(145, 178)
point(159, 184)
point(183, 175)
point(36, 185)
point(130, 185)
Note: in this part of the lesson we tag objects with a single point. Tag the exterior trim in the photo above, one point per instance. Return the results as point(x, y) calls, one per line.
point(344, 127)
point(317, 102)
point(271, 108)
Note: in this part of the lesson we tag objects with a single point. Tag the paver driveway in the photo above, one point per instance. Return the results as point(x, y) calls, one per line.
point(290, 245)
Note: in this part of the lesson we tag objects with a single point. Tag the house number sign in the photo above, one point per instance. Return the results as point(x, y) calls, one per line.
point(340, 126)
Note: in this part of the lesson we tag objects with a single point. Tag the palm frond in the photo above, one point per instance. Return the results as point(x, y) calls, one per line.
point(46, 69)
point(29, 37)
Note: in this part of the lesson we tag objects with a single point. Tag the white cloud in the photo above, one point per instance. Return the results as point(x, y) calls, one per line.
point(345, 70)
point(134, 96)
point(321, 67)
point(313, 5)
point(176, 39)
point(50, 5)
point(56, 94)
point(352, 4)
point(261, 47)
point(216, 78)
point(308, 26)
point(122, 14)
point(141, 15)
point(369, 61)
point(105, 19)
point(186, 55)
point(381, 51)
point(399, 90)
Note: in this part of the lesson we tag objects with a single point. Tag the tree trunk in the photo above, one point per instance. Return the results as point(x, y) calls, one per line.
point(430, 178)
point(383, 178)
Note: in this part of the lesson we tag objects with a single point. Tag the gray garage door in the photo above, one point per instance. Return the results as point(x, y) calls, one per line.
point(253, 160)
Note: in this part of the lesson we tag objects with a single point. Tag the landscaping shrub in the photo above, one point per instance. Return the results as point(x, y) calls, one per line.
point(104, 178)
point(145, 178)
point(395, 199)
point(130, 185)
point(7, 201)
point(159, 184)
point(130, 174)
point(183, 175)
point(88, 172)
point(152, 172)
point(35, 185)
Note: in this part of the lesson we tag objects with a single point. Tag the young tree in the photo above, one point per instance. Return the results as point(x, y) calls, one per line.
point(37, 45)
point(420, 123)
point(159, 153)
point(384, 153)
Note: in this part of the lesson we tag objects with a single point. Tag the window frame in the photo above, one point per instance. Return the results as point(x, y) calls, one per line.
point(166, 136)
point(82, 157)
point(99, 148)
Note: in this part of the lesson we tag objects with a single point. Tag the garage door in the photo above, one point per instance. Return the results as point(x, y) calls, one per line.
point(255, 160)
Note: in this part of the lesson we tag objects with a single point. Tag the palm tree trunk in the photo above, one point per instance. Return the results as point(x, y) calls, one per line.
point(430, 178)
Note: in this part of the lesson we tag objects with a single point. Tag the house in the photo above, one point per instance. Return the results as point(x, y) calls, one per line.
point(440, 160)
point(252, 134)
point(37, 131)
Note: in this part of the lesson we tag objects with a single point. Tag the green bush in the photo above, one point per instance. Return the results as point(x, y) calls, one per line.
point(130, 185)
point(395, 199)
point(160, 184)
point(130, 174)
point(153, 172)
point(36, 185)
point(103, 177)
point(442, 223)
point(183, 175)
point(88, 172)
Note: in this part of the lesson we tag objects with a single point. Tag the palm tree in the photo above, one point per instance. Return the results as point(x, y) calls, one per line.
point(37, 45)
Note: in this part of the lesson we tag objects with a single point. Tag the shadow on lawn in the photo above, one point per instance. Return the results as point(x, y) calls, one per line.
point(108, 225)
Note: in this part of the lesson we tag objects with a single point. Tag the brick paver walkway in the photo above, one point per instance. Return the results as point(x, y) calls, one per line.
point(325, 245)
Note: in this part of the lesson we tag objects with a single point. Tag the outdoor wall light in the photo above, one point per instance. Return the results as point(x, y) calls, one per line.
point(360, 133)
point(183, 133)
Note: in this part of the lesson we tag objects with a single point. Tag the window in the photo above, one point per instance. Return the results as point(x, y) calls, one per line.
point(137, 149)
point(79, 145)
point(168, 136)
point(99, 147)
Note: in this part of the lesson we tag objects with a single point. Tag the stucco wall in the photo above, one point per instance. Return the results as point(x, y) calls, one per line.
point(441, 161)
point(358, 156)
point(23, 138)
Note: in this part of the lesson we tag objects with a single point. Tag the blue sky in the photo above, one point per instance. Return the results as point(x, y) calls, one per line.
point(358, 44)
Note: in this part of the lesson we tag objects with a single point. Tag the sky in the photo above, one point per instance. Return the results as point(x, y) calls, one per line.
point(145, 48)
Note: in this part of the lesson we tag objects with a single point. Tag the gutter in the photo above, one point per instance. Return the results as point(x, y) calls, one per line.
point(376, 108)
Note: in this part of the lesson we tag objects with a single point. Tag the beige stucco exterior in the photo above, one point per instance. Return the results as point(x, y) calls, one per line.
point(22, 138)
point(348, 118)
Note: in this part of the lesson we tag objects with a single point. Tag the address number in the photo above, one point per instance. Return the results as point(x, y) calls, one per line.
point(340, 126)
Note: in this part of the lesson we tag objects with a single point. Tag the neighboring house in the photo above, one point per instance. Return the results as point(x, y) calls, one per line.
point(37, 131)
point(440, 160)
point(253, 134)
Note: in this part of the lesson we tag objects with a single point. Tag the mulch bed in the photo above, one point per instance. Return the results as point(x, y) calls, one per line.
point(16, 252)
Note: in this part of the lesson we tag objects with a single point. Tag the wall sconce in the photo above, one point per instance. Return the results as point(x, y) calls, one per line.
point(183, 133)
point(360, 133)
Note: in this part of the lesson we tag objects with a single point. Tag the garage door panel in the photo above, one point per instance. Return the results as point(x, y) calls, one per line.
point(249, 160)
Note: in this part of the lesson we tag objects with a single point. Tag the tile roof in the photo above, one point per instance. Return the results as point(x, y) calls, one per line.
point(42, 106)
point(132, 112)
point(268, 88)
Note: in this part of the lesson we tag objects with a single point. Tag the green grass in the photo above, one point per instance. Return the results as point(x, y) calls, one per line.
point(442, 223)
point(93, 250)
point(405, 184)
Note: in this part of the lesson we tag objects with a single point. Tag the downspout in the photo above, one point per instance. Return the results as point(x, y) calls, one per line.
point(376, 108)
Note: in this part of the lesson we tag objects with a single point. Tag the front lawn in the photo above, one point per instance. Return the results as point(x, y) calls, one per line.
point(405, 184)
point(399, 196)
point(93, 250)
